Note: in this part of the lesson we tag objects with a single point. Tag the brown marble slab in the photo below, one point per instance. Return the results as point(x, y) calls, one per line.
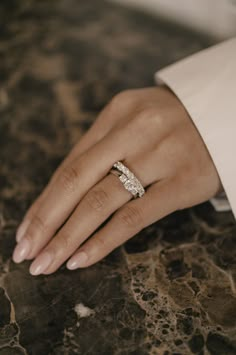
point(171, 289)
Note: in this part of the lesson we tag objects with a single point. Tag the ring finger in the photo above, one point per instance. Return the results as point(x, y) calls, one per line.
point(105, 121)
point(97, 205)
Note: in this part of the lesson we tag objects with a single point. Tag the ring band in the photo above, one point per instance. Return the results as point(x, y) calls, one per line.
point(128, 179)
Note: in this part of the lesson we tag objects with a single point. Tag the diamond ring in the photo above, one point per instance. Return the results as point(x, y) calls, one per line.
point(128, 179)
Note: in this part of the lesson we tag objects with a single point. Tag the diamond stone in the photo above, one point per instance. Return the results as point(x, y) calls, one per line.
point(129, 180)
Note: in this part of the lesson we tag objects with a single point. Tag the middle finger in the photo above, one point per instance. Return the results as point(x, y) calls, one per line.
point(96, 206)
point(69, 188)
point(99, 203)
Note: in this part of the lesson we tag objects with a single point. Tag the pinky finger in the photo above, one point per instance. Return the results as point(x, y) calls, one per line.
point(159, 200)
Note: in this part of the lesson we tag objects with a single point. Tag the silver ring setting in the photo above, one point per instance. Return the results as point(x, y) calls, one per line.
point(128, 179)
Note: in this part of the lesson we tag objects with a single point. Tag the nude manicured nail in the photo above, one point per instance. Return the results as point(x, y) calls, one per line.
point(21, 230)
point(40, 264)
point(77, 261)
point(21, 251)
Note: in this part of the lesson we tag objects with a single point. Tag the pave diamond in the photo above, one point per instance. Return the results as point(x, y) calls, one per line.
point(129, 180)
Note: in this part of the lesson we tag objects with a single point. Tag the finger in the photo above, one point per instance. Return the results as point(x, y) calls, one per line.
point(159, 200)
point(68, 190)
point(149, 174)
point(39, 236)
point(96, 206)
point(115, 111)
point(91, 137)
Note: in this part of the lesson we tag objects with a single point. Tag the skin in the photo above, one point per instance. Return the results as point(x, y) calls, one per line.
point(149, 131)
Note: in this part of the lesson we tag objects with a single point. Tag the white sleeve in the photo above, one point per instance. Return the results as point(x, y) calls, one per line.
point(205, 83)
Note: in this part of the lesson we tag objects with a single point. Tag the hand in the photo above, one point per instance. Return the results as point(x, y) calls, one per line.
point(150, 131)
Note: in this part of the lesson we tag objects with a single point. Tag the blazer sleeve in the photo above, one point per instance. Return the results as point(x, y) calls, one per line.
point(205, 83)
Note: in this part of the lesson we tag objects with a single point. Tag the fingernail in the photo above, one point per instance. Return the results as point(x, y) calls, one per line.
point(21, 251)
point(77, 261)
point(21, 230)
point(41, 264)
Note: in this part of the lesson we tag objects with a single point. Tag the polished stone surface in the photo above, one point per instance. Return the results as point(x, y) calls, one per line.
point(169, 290)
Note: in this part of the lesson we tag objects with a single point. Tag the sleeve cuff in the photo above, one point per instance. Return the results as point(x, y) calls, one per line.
point(205, 83)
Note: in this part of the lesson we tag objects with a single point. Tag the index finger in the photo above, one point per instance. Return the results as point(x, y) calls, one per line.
point(68, 189)
point(105, 121)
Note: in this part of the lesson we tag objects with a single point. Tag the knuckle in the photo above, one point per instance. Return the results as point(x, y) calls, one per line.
point(100, 243)
point(132, 217)
point(150, 114)
point(103, 245)
point(37, 228)
point(145, 121)
point(62, 243)
point(123, 98)
point(68, 179)
point(39, 224)
point(30, 237)
point(97, 199)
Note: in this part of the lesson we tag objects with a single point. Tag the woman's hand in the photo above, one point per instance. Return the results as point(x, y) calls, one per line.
point(150, 131)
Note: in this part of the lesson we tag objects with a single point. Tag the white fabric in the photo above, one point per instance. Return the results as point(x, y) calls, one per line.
point(205, 83)
point(214, 17)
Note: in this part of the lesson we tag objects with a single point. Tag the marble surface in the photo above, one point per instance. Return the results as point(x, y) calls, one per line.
point(171, 289)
